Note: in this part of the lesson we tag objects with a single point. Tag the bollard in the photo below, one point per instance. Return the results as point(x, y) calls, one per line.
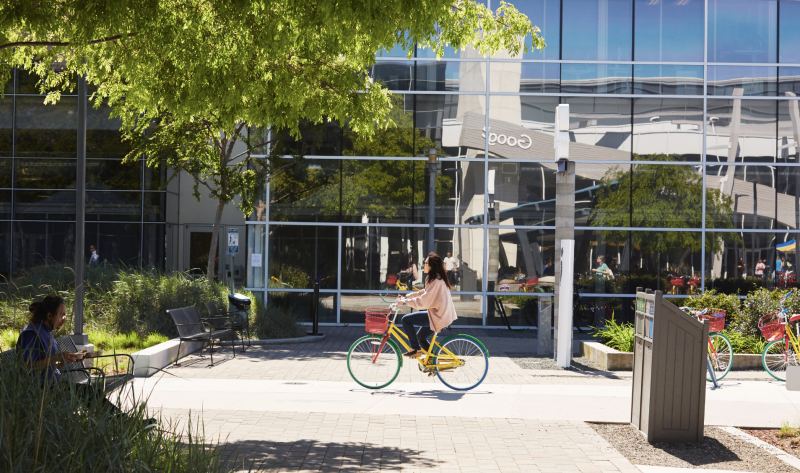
point(315, 310)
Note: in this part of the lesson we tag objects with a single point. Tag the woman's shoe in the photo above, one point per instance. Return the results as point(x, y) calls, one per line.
point(413, 354)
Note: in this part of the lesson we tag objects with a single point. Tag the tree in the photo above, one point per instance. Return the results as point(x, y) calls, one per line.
point(661, 196)
point(187, 78)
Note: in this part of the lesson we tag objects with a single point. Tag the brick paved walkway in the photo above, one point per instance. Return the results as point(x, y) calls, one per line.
point(286, 441)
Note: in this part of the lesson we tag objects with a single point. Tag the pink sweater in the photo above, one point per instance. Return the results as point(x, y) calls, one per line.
point(436, 299)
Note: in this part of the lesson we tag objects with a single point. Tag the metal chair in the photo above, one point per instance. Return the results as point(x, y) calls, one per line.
point(192, 328)
point(110, 383)
point(239, 323)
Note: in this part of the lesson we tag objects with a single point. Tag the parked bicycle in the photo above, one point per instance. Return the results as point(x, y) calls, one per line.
point(784, 345)
point(374, 361)
point(720, 350)
point(395, 281)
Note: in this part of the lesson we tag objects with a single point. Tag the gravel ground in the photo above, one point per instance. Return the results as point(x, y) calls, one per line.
point(790, 445)
point(718, 451)
point(532, 361)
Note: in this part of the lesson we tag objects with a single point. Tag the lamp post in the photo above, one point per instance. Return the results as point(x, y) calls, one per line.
point(433, 161)
point(565, 238)
point(78, 336)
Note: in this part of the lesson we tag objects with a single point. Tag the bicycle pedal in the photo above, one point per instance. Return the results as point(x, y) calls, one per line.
point(431, 374)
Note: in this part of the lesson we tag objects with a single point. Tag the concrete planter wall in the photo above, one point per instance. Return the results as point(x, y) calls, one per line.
point(148, 361)
point(606, 357)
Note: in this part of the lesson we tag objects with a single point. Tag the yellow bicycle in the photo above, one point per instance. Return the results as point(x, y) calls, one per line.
point(784, 346)
point(374, 361)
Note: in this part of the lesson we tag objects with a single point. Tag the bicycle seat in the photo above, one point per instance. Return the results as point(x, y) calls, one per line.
point(794, 317)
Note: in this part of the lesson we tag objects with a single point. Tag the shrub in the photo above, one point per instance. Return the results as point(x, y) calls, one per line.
point(274, 321)
point(711, 299)
point(290, 275)
point(52, 429)
point(756, 304)
point(747, 344)
point(617, 336)
point(739, 286)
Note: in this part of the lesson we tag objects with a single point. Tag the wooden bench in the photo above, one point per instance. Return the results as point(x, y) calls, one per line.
point(193, 328)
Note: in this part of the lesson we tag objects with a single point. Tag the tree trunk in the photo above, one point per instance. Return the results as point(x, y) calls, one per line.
point(212, 252)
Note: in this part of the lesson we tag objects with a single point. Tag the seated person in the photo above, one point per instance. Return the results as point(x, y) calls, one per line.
point(40, 352)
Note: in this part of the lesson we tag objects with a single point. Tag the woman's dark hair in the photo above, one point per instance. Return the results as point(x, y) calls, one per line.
point(437, 269)
point(49, 305)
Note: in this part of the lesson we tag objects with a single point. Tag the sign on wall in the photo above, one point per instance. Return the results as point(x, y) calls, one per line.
point(233, 241)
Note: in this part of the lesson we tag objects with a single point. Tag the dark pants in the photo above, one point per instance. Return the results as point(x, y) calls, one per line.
point(92, 395)
point(419, 319)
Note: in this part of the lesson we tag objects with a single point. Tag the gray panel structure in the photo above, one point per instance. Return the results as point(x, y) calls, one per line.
point(565, 230)
point(669, 363)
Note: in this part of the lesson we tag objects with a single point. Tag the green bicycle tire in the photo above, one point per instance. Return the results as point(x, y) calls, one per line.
point(389, 358)
point(777, 348)
point(722, 354)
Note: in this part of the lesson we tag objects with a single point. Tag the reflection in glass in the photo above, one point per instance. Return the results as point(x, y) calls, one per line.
point(519, 310)
point(27, 84)
point(6, 125)
point(599, 195)
point(44, 205)
point(546, 14)
point(316, 139)
point(459, 193)
point(789, 34)
point(466, 246)
point(45, 173)
point(394, 75)
point(661, 196)
point(398, 140)
point(518, 254)
point(601, 128)
point(655, 79)
point(382, 191)
point(256, 240)
point(153, 247)
point(671, 127)
point(5, 172)
point(154, 178)
point(741, 130)
point(520, 127)
point(40, 243)
point(525, 195)
point(307, 191)
point(155, 206)
point(113, 174)
point(47, 131)
point(117, 244)
point(669, 31)
point(742, 80)
point(441, 76)
point(5, 249)
point(378, 257)
point(300, 304)
point(596, 78)
point(454, 122)
point(5, 205)
point(742, 31)
point(103, 138)
point(732, 264)
point(788, 131)
point(607, 24)
point(299, 254)
point(537, 77)
point(608, 253)
point(788, 81)
point(111, 206)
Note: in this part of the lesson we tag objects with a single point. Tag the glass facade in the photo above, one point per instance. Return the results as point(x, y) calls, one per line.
point(126, 216)
point(687, 171)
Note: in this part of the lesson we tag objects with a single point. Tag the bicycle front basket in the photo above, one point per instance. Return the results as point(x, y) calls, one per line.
point(716, 319)
point(771, 326)
point(377, 320)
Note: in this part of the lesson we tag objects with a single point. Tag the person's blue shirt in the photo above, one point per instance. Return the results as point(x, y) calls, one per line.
point(778, 265)
point(35, 343)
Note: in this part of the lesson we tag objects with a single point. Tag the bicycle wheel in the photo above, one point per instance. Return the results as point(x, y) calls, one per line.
point(468, 375)
point(720, 352)
point(368, 370)
point(776, 357)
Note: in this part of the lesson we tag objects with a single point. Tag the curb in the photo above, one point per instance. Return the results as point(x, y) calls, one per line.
point(283, 341)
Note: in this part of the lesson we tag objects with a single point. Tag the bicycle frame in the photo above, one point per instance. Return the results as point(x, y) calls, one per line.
point(451, 360)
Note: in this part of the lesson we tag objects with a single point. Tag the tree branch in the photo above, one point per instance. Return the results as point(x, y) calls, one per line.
point(17, 44)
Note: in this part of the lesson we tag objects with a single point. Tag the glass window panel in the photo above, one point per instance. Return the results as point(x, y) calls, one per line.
point(546, 14)
point(256, 241)
point(742, 31)
point(656, 79)
point(668, 129)
point(521, 127)
point(789, 34)
point(398, 140)
point(5, 249)
point(669, 30)
point(308, 191)
point(732, 260)
point(662, 196)
point(48, 131)
point(110, 174)
point(613, 247)
point(600, 128)
point(536, 77)
point(788, 81)
point(522, 253)
point(596, 78)
point(45, 173)
point(5, 172)
point(600, 191)
point(27, 84)
point(597, 31)
point(154, 247)
point(742, 80)
point(154, 178)
point(394, 75)
point(741, 130)
point(451, 76)
point(298, 254)
point(124, 206)
point(5, 204)
point(117, 244)
point(316, 139)
point(44, 205)
point(39, 243)
point(374, 257)
point(525, 194)
point(155, 206)
point(788, 131)
point(103, 138)
point(454, 123)
point(469, 308)
point(299, 305)
point(459, 193)
point(467, 247)
point(519, 310)
point(383, 191)
point(6, 125)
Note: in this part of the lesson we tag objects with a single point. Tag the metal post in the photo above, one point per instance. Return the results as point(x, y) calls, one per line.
point(432, 163)
point(315, 310)
point(78, 336)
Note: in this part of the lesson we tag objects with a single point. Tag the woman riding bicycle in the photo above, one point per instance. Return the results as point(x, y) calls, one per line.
point(435, 304)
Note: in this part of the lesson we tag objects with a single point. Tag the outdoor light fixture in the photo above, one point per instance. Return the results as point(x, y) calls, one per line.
point(432, 155)
point(561, 136)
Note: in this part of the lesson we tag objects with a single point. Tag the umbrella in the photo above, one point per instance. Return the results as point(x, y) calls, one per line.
point(788, 246)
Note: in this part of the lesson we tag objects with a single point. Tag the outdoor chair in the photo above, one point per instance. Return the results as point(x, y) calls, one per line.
point(239, 323)
point(192, 328)
point(109, 383)
point(74, 372)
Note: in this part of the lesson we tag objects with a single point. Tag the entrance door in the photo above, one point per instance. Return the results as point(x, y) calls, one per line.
point(197, 244)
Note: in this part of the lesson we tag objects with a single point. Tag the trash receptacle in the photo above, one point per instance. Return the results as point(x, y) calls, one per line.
point(239, 303)
point(669, 366)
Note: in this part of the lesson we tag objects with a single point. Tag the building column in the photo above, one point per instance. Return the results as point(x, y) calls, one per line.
point(565, 230)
